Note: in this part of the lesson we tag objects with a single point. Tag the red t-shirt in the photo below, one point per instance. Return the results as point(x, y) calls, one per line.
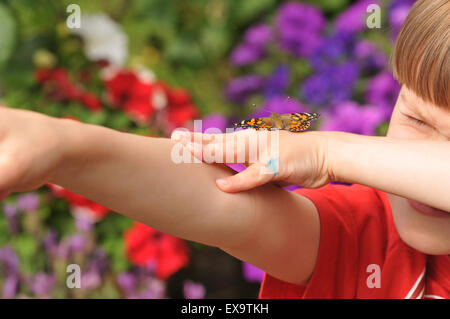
point(361, 254)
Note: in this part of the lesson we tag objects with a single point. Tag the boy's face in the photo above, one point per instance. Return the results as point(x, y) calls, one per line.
point(427, 233)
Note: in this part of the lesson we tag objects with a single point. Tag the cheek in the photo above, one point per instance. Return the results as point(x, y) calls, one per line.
point(405, 131)
point(429, 235)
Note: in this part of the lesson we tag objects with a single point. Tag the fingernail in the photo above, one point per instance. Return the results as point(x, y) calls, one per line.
point(222, 182)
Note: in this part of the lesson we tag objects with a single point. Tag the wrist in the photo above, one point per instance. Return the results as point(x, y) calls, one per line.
point(339, 155)
point(71, 148)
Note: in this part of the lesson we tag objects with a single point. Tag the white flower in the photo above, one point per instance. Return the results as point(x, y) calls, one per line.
point(103, 39)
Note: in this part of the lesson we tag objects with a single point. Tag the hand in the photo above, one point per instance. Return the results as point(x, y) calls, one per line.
point(298, 158)
point(31, 147)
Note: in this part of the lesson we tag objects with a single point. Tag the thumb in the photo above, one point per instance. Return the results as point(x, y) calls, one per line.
point(255, 175)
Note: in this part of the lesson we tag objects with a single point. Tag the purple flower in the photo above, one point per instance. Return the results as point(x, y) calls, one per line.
point(155, 289)
point(253, 48)
point(9, 261)
point(258, 35)
point(99, 261)
point(63, 250)
point(344, 78)
point(84, 220)
point(398, 11)
point(369, 57)
point(28, 202)
point(317, 88)
point(50, 243)
point(245, 54)
point(214, 121)
point(280, 105)
point(42, 284)
point(333, 50)
point(353, 118)
point(76, 243)
point(299, 43)
point(10, 212)
point(277, 82)
point(90, 280)
point(353, 19)
point(300, 16)
point(330, 85)
point(193, 290)
point(239, 89)
point(10, 287)
point(382, 91)
point(252, 273)
point(299, 26)
point(128, 282)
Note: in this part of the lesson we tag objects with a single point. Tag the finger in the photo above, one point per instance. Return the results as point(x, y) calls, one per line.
point(185, 136)
point(217, 152)
point(255, 175)
point(238, 147)
point(206, 138)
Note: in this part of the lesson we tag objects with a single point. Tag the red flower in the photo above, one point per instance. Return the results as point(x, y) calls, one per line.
point(98, 211)
point(59, 86)
point(119, 85)
point(179, 115)
point(140, 110)
point(145, 245)
point(179, 96)
point(91, 101)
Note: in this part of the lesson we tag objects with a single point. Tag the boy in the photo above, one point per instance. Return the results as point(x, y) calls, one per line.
point(386, 236)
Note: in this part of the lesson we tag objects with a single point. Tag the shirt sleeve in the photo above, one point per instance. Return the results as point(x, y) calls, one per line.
point(345, 213)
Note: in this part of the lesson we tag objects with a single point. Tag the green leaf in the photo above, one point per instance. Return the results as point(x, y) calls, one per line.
point(8, 34)
point(26, 248)
point(330, 5)
point(247, 10)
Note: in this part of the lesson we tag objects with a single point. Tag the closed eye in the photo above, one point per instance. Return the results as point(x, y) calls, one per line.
point(416, 121)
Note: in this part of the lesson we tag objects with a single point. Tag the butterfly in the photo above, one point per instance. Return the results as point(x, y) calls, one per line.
point(294, 122)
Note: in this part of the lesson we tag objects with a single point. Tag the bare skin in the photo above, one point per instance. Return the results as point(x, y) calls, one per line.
point(250, 217)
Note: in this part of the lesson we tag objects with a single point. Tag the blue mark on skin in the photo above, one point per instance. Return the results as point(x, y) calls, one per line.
point(274, 164)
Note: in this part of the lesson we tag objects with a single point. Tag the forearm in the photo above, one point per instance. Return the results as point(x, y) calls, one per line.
point(135, 176)
point(415, 169)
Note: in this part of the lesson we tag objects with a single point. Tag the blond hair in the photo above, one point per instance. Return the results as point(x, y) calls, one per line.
point(421, 58)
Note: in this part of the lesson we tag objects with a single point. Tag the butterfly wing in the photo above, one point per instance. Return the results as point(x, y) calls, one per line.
point(257, 123)
point(299, 122)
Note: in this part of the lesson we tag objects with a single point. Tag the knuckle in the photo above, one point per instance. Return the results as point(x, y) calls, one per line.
point(9, 160)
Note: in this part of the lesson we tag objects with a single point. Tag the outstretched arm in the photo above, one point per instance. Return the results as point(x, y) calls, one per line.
point(411, 168)
point(135, 176)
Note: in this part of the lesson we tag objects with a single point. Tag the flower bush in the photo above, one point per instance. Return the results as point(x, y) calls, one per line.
point(147, 67)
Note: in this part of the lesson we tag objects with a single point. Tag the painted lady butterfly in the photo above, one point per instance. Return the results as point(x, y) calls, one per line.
point(294, 122)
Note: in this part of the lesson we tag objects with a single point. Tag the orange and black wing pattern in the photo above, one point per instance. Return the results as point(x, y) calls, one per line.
point(299, 122)
point(257, 123)
point(294, 122)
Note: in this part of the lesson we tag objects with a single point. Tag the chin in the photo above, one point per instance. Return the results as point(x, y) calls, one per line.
point(428, 235)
